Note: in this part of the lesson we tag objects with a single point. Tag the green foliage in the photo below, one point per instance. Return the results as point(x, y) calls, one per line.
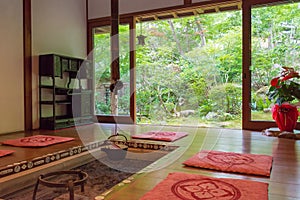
point(226, 98)
point(199, 59)
point(274, 41)
point(262, 102)
point(102, 108)
point(205, 107)
point(287, 91)
point(102, 60)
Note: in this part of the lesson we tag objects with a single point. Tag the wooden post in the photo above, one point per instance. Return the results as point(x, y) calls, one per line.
point(27, 48)
point(246, 65)
point(115, 66)
point(115, 71)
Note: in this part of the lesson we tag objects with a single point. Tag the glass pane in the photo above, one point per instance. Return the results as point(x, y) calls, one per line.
point(102, 62)
point(275, 43)
point(189, 71)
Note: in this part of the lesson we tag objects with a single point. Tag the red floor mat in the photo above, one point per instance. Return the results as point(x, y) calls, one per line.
point(195, 187)
point(37, 141)
point(160, 135)
point(232, 162)
point(5, 152)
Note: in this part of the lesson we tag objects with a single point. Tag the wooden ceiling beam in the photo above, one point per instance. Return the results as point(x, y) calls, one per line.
point(102, 29)
point(211, 8)
point(174, 15)
point(200, 10)
point(239, 6)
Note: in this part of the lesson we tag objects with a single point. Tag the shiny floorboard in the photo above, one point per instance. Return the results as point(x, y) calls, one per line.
point(284, 182)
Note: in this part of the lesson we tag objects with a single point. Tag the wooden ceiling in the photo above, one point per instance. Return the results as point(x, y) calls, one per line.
point(184, 12)
point(177, 13)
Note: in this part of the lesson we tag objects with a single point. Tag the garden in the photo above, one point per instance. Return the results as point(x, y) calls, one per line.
point(189, 71)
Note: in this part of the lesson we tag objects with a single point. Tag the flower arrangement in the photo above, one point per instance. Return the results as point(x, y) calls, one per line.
point(285, 91)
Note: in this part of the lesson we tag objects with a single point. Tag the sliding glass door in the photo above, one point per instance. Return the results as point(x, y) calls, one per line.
point(271, 40)
point(275, 43)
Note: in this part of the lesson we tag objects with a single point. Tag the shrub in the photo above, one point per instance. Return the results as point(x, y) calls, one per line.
point(226, 98)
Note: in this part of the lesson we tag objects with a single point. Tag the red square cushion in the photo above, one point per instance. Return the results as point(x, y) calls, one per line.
point(178, 186)
point(232, 162)
point(37, 141)
point(6, 152)
point(160, 135)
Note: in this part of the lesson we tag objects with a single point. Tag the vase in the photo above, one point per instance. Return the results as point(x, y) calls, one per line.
point(285, 116)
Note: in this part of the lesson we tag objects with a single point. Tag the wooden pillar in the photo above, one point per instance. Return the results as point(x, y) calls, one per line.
point(133, 71)
point(115, 65)
point(115, 71)
point(246, 65)
point(27, 65)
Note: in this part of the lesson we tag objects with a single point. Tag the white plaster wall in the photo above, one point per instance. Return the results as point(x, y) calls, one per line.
point(11, 66)
point(58, 26)
point(101, 8)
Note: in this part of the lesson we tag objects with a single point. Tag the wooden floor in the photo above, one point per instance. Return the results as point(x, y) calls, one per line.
point(284, 182)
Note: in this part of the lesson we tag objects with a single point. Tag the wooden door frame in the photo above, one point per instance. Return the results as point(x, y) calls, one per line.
point(246, 116)
point(131, 119)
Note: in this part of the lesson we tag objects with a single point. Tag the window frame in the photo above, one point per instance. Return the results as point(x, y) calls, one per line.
point(247, 123)
point(131, 119)
point(245, 7)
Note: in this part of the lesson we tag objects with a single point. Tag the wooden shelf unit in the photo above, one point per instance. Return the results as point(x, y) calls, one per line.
point(65, 91)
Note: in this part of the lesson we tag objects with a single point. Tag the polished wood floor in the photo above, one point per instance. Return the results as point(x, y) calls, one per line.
point(284, 182)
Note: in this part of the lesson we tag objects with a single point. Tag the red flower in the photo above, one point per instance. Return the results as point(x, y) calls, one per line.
point(290, 75)
point(282, 90)
point(274, 82)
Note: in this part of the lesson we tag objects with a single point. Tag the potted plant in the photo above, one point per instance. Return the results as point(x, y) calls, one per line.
point(285, 92)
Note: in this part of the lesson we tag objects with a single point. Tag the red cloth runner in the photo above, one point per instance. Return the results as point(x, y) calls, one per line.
point(5, 152)
point(37, 141)
point(160, 135)
point(195, 187)
point(232, 162)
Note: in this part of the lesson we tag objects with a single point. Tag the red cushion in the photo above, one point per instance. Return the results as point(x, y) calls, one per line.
point(6, 152)
point(192, 186)
point(160, 135)
point(232, 162)
point(37, 141)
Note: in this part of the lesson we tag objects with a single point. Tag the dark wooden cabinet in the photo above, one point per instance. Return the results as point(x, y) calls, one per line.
point(65, 91)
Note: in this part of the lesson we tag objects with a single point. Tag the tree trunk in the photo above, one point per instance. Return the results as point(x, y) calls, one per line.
point(201, 32)
point(270, 38)
point(175, 37)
